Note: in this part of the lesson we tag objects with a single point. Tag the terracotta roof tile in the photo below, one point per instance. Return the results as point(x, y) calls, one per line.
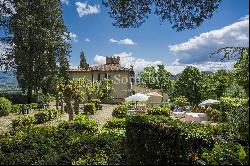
point(106, 67)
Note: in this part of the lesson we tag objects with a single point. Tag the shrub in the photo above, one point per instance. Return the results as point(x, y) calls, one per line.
point(16, 108)
point(22, 122)
point(89, 108)
point(97, 103)
point(162, 140)
point(181, 101)
point(116, 123)
point(5, 106)
point(82, 123)
point(99, 158)
point(17, 98)
point(120, 111)
point(46, 115)
point(33, 105)
point(157, 110)
point(42, 117)
point(53, 113)
point(226, 154)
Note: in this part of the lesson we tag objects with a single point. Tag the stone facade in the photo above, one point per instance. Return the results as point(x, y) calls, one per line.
point(122, 78)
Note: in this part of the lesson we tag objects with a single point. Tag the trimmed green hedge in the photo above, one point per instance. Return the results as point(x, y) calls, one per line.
point(121, 111)
point(89, 108)
point(162, 140)
point(5, 106)
point(46, 115)
point(116, 123)
point(16, 108)
point(22, 122)
point(81, 123)
point(158, 110)
point(227, 153)
point(17, 98)
point(97, 103)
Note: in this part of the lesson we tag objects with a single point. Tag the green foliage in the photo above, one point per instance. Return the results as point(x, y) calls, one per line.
point(214, 114)
point(189, 84)
point(99, 158)
point(242, 71)
point(237, 115)
point(120, 111)
point(68, 142)
point(181, 14)
point(83, 61)
point(16, 98)
point(97, 103)
point(5, 106)
point(158, 110)
point(89, 108)
point(215, 85)
point(162, 140)
point(46, 115)
point(181, 101)
point(39, 48)
point(115, 123)
point(22, 122)
point(16, 108)
point(42, 117)
point(81, 123)
point(156, 78)
point(226, 154)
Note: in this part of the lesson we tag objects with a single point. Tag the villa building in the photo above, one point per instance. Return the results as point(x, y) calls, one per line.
point(122, 78)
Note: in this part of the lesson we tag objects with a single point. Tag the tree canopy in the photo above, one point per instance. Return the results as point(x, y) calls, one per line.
point(35, 33)
point(182, 14)
point(189, 84)
point(156, 78)
point(83, 61)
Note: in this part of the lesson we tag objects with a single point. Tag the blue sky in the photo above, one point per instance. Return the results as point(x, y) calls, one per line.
point(154, 42)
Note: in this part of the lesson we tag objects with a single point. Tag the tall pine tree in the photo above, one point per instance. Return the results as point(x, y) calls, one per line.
point(37, 36)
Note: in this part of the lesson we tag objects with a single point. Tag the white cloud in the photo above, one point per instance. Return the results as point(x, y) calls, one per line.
point(126, 41)
point(127, 59)
point(197, 49)
point(87, 40)
point(84, 9)
point(65, 1)
point(177, 67)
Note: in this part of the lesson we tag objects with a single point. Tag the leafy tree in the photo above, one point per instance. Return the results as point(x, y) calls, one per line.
point(215, 85)
point(242, 71)
point(71, 92)
point(83, 61)
point(181, 101)
point(156, 78)
point(182, 14)
point(35, 31)
point(189, 84)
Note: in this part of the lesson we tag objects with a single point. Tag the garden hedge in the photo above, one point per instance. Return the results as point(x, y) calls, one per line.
point(120, 111)
point(153, 140)
point(89, 108)
point(5, 106)
point(159, 110)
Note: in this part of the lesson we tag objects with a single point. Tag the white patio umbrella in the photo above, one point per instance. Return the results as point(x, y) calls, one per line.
point(209, 102)
point(137, 97)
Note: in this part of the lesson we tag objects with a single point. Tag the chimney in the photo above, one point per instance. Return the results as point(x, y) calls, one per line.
point(113, 60)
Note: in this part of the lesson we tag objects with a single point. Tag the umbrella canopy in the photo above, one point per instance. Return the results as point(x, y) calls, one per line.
point(154, 94)
point(137, 97)
point(209, 102)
